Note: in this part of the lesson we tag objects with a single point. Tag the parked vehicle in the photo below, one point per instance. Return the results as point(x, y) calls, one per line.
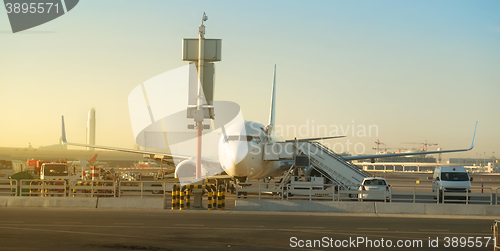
point(377, 187)
point(10, 167)
point(449, 179)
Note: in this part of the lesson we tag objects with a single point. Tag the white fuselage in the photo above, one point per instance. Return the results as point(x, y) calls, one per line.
point(241, 150)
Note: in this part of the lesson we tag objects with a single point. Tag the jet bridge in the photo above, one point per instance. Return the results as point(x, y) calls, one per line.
point(328, 164)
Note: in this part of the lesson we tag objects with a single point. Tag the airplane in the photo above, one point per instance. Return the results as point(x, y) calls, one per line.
point(83, 163)
point(241, 149)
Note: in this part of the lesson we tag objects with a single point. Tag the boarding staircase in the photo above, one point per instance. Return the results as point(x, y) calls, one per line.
point(331, 165)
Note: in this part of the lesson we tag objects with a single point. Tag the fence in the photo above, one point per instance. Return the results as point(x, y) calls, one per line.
point(413, 194)
point(259, 190)
point(141, 188)
point(96, 188)
point(8, 187)
point(494, 229)
point(48, 188)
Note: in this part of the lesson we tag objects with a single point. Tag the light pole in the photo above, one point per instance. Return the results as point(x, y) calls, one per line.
point(199, 115)
point(494, 161)
point(203, 52)
point(484, 159)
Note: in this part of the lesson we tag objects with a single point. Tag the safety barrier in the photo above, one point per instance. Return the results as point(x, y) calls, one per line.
point(47, 188)
point(181, 196)
point(468, 194)
point(413, 194)
point(310, 192)
point(59, 182)
point(86, 188)
point(140, 188)
point(415, 191)
point(496, 195)
point(8, 187)
point(95, 188)
point(263, 190)
point(304, 191)
point(494, 229)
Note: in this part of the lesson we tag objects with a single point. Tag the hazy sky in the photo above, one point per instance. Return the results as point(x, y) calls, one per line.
point(416, 70)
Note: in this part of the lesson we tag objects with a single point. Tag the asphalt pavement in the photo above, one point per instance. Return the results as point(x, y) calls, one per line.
point(95, 229)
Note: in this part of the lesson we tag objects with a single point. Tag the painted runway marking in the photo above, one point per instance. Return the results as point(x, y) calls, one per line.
point(308, 227)
point(125, 223)
point(77, 232)
point(372, 228)
point(68, 222)
point(434, 230)
point(190, 225)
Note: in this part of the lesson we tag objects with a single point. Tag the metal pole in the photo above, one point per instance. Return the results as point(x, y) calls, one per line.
point(484, 159)
point(161, 169)
point(199, 103)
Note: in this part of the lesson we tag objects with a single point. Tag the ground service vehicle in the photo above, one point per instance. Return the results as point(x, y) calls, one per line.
point(10, 167)
point(54, 171)
point(450, 179)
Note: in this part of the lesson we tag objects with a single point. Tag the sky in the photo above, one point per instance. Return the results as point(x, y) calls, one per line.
point(409, 70)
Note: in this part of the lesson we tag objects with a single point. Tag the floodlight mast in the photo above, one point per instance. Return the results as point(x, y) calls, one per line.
point(199, 115)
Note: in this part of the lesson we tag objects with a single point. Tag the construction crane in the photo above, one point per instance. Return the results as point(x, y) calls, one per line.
point(378, 146)
point(424, 145)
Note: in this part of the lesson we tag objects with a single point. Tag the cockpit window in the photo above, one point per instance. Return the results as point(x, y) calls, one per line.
point(256, 140)
point(233, 138)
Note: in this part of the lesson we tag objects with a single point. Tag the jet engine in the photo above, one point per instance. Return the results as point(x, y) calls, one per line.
point(186, 169)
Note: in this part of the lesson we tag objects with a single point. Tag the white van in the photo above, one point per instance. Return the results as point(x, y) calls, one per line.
point(451, 179)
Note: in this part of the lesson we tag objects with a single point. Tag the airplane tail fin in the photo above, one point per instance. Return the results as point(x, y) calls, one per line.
point(63, 136)
point(91, 160)
point(270, 127)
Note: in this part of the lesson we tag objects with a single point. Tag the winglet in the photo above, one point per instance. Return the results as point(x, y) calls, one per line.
point(473, 138)
point(63, 131)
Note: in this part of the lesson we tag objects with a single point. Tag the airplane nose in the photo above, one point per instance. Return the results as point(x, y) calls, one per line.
point(249, 160)
point(240, 151)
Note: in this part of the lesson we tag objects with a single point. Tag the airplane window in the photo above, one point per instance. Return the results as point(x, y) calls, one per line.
point(233, 138)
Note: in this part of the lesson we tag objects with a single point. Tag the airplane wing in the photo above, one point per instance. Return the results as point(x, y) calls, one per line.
point(311, 139)
point(376, 156)
point(152, 153)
